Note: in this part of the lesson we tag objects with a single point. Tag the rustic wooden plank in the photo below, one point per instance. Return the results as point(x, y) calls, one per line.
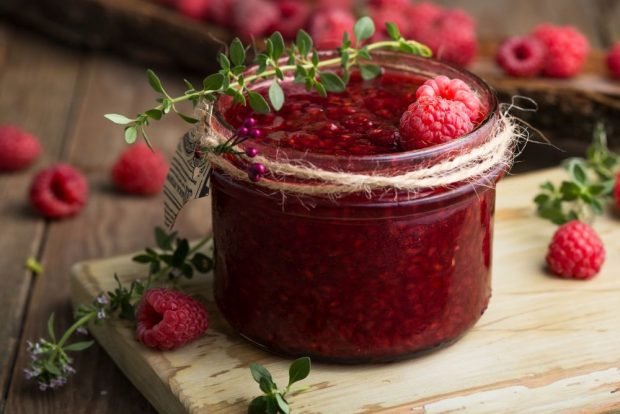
point(544, 345)
point(609, 22)
point(110, 224)
point(38, 82)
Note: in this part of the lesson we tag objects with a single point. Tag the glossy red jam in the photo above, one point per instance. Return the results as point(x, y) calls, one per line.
point(357, 278)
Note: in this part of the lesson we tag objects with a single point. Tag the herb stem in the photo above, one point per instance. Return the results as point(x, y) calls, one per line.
point(80, 322)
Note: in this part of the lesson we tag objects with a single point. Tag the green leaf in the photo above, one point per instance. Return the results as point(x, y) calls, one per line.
point(163, 239)
point(548, 186)
point(315, 58)
point(299, 369)
point(258, 103)
point(79, 346)
point(346, 40)
point(266, 385)
point(154, 113)
point(142, 258)
point(276, 95)
point(258, 405)
point(364, 53)
point(282, 404)
point(369, 71)
point(278, 45)
point(179, 255)
point(51, 368)
point(202, 262)
point(213, 82)
point(332, 82)
point(597, 206)
point(303, 42)
point(187, 118)
point(154, 81)
point(222, 59)
point(570, 191)
point(237, 52)
point(189, 85)
point(320, 89)
point(131, 134)
point(34, 266)
point(118, 119)
point(50, 327)
point(392, 31)
point(364, 28)
point(542, 199)
point(258, 371)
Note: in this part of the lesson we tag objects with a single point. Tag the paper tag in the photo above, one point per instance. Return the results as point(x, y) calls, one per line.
point(187, 179)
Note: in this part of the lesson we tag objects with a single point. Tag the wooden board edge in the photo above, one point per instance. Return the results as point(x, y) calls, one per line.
point(158, 394)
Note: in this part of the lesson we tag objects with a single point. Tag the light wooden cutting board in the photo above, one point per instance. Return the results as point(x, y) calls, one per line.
point(544, 345)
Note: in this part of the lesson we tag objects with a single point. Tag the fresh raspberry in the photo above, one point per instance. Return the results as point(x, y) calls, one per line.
point(293, 16)
point(613, 60)
point(388, 14)
point(168, 319)
point(334, 4)
point(140, 170)
point(195, 9)
point(452, 90)
point(575, 251)
point(521, 56)
point(399, 4)
point(433, 120)
point(18, 149)
point(59, 191)
point(220, 12)
point(328, 26)
point(253, 18)
point(567, 50)
point(617, 191)
point(421, 15)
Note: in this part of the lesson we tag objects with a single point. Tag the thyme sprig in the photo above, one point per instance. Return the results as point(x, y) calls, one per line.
point(300, 60)
point(590, 184)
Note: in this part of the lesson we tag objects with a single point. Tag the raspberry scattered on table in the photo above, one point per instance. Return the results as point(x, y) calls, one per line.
point(521, 56)
point(613, 60)
point(59, 191)
point(18, 149)
point(575, 251)
point(566, 49)
point(140, 170)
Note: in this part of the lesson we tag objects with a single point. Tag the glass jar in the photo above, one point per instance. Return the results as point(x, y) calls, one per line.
point(357, 278)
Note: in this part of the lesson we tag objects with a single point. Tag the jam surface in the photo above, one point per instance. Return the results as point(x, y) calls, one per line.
point(362, 120)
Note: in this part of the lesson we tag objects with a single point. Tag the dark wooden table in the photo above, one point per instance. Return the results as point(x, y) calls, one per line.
point(60, 94)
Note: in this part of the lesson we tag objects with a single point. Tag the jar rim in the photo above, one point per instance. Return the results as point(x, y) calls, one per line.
point(401, 63)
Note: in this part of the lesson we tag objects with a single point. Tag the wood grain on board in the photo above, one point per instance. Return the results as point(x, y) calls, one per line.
point(545, 345)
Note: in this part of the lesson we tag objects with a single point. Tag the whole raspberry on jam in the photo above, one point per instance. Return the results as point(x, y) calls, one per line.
point(452, 90)
point(613, 60)
point(59, 191)
point(521, 56)
point(140, 170)
point(433, 120)
point(328, 25)
point(253, 18)
point(575, 251)
point(168, 319)
point(18, 149)
point(566, 50)
point(195, 9)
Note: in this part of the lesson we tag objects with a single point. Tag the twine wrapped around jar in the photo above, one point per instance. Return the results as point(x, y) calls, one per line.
point(299, 177)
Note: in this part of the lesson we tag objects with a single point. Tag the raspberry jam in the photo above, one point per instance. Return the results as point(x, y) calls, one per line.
point(359, 278)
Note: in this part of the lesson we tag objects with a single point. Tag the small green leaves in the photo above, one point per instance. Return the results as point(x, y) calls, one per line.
point(237, 52)
point(332, 82)
point(277, 45)
point(131, 134)
point(79, 346)
point(299, 370)
point(154, 81)
point(369, 71)
point(213, 82)
point(50, 327)
point(118, 119)
point(276, 95)
point(224, 62)
point(274, 401)
point(303, 42)
point(34, 266)
point(258, 103)
point(392, 31)
point(364, 29)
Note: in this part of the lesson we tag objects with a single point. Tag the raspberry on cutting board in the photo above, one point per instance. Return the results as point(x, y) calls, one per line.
point(575, 251)
point(18, 149)
point(168, 319)
point(58, 191)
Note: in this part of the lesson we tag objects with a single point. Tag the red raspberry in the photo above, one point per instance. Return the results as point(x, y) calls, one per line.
point(433, 120)
point(168, 319)
point(195, 9)
point(59, 191)
point(567, 50)
point(327, 27)
point(253, 18)
point(613, 60)
point(220, 12)
point(452, 90)
point(18, 149)
point(617, 191)
point(422, 15)
point(521, 56)
point(140, 170)
point(575, 251)
point(293, 16)
point(334, 4)
point(388, 14)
